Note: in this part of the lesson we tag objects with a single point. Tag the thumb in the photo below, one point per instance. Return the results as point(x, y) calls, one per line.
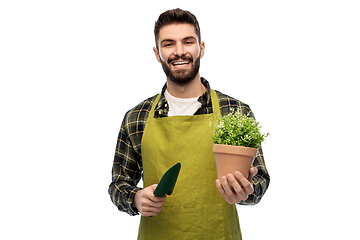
point(151, 189)
point(253, 172)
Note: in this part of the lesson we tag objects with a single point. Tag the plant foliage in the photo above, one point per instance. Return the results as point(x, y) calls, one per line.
point(238, 129)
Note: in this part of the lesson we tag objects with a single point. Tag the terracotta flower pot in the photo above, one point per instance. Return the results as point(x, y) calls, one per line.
point(230, 159)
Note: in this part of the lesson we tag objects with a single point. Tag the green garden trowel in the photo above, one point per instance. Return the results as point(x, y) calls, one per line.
point(167, 182)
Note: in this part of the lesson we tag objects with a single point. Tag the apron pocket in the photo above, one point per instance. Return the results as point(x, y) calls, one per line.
point(203, 221)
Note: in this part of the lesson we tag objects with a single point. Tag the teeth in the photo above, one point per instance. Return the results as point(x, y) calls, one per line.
point(180, 63)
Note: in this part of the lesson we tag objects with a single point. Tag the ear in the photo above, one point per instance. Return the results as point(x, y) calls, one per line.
point(157, 55)
point(202, 49)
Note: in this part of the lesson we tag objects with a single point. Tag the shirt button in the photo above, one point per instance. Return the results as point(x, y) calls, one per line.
point(165, 105)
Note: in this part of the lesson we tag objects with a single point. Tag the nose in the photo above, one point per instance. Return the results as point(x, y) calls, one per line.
point(180, 49)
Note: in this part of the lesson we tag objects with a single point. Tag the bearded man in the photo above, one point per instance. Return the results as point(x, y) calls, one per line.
point(172, 127)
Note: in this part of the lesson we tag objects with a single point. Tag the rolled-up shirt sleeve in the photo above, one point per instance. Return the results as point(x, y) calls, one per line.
point(126, 172)
point(261, 180)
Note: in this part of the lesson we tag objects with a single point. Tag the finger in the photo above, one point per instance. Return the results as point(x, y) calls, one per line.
point(150, 208)
point(245, 183)
point(226, 186)
point(219, 186)
point(153, 187)
point(253, 171)
point(156, 199)
point(154, 202)
point(149, 205)
point(148, 211)
point(229, 191)
point(149, 193)
point(235, 185)
point(222, 191)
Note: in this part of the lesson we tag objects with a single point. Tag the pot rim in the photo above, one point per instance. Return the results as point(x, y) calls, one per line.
point(231, 149)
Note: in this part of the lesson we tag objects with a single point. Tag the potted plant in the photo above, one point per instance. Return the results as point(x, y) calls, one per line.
point(236, 139)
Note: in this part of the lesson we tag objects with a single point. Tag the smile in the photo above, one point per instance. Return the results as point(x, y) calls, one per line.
point(180, 63)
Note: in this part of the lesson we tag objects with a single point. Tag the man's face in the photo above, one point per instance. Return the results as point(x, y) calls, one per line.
point(179, 52)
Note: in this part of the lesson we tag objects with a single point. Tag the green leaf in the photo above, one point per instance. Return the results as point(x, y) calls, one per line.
point(238, 129)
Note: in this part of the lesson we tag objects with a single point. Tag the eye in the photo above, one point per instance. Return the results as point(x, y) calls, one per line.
point(167, 44)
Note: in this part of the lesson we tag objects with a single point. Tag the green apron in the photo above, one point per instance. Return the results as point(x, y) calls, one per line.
point(196, 209)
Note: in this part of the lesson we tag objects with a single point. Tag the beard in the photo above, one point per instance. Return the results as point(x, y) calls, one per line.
point(181, 76)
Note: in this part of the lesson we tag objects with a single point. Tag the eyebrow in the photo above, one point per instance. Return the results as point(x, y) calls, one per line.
point(171, 40)
point(190, 38)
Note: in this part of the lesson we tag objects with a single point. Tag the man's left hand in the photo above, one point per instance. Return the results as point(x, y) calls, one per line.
point(235, 188)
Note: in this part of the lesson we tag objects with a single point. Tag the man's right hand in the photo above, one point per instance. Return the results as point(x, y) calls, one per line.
point(147, 203)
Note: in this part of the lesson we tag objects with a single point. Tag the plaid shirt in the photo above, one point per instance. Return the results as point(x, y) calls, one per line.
point(127, 166)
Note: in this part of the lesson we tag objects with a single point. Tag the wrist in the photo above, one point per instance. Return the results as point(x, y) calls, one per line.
point(132, 201)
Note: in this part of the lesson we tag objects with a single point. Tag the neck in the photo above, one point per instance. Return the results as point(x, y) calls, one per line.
point(191, 89)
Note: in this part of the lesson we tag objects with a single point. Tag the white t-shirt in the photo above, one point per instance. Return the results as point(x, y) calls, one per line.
point(181, 106)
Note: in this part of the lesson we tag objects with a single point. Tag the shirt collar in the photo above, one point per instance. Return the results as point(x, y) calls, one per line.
point(162, 108)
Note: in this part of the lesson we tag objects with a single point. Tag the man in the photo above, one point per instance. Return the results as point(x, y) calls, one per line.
point(174, 127)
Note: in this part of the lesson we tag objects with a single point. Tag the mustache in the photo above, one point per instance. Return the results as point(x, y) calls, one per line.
point(184, 57)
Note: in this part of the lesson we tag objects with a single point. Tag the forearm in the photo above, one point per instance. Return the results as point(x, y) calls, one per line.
point(126, 173)
point(260, 186)
point(126, 170)
point(123, 187)
point(122, 195)
point(261, 181)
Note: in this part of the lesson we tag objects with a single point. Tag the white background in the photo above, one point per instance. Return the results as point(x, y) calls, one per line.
point(69, 71)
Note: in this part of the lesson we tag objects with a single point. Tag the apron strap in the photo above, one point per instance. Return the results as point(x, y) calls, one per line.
point(214, 101)
point(152, 111)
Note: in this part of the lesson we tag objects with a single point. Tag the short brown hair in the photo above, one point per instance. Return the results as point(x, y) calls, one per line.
point(176, 16)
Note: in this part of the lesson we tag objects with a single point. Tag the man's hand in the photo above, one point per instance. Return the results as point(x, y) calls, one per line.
point(147, 203)
point(235, 188)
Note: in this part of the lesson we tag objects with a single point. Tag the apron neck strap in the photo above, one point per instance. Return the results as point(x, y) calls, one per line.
point(214, 101)
point(156, 100)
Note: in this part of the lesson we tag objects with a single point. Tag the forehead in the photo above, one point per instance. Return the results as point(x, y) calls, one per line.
point(177, 31)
